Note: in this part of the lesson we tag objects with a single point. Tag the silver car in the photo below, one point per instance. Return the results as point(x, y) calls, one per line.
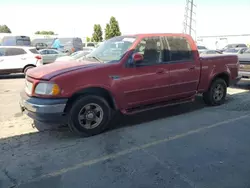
point(50, 55)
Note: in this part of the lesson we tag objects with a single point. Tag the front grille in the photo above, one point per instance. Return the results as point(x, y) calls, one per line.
point(28, 87)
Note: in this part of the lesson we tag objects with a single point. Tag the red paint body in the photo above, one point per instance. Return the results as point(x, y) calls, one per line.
point(139, 85)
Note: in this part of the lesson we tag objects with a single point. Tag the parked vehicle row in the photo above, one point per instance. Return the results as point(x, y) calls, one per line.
point(146, 71)
point(17, 59)
point(66, 45)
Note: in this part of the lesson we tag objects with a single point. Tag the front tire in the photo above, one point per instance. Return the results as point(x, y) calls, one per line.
point(216, 94)
point(89, 115)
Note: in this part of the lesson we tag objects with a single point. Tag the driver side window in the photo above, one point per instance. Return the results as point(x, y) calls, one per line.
point(151, 49)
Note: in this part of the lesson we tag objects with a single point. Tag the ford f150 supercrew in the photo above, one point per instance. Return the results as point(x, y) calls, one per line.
point(129, 74)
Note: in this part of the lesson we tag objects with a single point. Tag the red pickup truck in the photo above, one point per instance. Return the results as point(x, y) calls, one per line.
point(129, 74)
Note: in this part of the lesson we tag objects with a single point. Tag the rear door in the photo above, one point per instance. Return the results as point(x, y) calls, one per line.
point(184, 72)
point(46, 56)
point(52, 55)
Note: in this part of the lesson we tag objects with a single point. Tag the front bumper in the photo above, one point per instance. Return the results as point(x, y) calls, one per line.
point(44, 110)
point(236, 80)
point(244, 74)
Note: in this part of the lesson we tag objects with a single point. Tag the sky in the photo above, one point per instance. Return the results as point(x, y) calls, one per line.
point(77, 17)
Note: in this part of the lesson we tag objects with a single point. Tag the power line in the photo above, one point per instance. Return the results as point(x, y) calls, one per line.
point(189, 24)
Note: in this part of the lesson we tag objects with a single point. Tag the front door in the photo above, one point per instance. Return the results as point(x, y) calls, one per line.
point(147, 81)
point(184, 71)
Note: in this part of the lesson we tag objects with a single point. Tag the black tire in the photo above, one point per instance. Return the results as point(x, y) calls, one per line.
point(208, 96)
point(76, 108)
point(27, 68)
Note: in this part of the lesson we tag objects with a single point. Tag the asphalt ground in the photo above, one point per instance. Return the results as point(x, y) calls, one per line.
point(189, 145)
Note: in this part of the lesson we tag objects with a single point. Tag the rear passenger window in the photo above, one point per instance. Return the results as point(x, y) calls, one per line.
point(34, 51)
point(90, 45)
point(178, 49)
point(14, 51)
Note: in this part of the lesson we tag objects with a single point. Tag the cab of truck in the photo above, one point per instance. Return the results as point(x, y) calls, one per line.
point(129, 74)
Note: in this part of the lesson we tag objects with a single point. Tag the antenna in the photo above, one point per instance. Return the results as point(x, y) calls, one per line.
point(189, 24)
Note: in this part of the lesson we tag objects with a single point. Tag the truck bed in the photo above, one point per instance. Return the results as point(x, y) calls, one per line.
point(213, 64)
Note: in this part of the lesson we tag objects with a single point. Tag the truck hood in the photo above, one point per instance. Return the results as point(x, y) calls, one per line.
point(46, 72)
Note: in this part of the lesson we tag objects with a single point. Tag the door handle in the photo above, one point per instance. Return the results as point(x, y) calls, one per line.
point(23, 58)
point(160, 71)
point(1, 60)
point(192, 68)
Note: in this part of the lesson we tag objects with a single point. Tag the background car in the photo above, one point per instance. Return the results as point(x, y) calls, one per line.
point(15, 59)
point(245, 56)
point(15, 41)
point(42, 43)
point(78, 56)
point(70, 45)
point(235, 50)
point(201, 48)
point(230, 46)
point(210, 52)
point(50, 55)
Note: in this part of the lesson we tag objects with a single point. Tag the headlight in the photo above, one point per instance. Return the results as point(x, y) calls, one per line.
point(47, 89)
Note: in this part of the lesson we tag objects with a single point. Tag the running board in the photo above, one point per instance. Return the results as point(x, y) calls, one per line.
point(156, 106)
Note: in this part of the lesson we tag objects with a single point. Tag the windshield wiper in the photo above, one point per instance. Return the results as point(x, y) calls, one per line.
point(96, 58)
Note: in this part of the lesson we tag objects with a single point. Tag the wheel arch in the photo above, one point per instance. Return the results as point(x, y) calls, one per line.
point(99, 91)
point(29, 65)
point(224, 75)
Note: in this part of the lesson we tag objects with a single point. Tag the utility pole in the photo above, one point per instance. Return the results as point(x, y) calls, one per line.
point(189, 19)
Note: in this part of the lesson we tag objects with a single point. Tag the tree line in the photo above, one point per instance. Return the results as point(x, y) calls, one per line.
point(112, 29)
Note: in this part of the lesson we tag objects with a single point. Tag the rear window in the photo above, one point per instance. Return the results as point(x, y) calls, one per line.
point(90, 44)
point(241, 45)
point(34, 51)
point(23, 42)
point(179, 49)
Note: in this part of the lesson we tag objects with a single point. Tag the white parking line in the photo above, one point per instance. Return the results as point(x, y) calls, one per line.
point(135, 148)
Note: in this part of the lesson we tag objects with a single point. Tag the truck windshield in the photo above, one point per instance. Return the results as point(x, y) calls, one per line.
point(113, 49)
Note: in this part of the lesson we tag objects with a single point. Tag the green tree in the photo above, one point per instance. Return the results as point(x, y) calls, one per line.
point(97, 35)
point(4, 29)
point(45, 33)
point(88, 39)
point(107, 32)
point(114, 27)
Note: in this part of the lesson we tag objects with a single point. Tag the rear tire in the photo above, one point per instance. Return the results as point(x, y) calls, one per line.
point(216, 93)
point(89, 115)
point(27, 68)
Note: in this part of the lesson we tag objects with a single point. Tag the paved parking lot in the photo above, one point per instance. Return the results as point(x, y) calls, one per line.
point(183, 146)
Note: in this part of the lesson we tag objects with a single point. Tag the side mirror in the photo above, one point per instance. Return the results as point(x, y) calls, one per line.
point(137, 58)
